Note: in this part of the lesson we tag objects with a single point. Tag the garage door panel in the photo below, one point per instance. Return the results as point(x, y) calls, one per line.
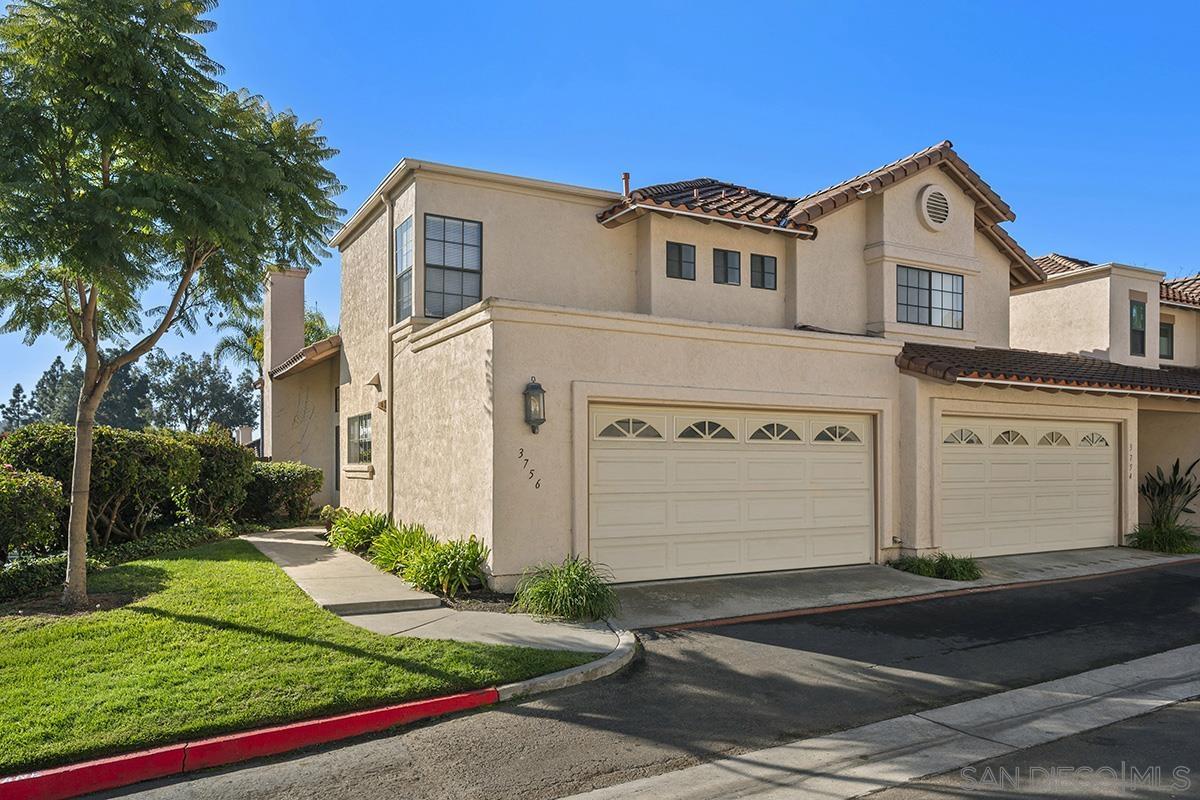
point(700, 501)
point(1019, 487)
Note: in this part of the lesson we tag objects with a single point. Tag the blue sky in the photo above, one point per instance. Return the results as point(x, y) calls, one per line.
point(1083, 116)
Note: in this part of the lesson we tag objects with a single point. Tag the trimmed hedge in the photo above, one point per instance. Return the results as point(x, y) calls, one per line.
point(281, 491)
point(29, 507)
point(32, 576)
point(225, 469)
point(135, 474)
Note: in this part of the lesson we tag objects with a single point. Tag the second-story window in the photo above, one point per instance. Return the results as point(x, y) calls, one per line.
point(453, 264)
point(681, 261)
point(1137, 327)
point(404, 269)
point(1166, 340)
point(924, 297)
point(727, 267)
point(762, 271)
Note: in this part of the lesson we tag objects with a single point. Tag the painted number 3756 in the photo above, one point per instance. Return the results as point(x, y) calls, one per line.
point(537, 482)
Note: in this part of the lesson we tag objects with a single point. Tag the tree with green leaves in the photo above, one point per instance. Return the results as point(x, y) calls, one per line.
point(127, 169)
point(17, 411)
point(243, 342)
point(126, 402)
point(192, 394)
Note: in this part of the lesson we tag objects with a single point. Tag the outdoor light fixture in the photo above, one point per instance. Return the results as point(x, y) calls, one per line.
point(535, 404)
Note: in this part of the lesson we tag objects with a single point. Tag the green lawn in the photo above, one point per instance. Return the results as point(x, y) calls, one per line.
point(219, 640)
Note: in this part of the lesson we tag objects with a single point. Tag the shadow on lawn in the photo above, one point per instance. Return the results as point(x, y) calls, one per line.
point(289, 638)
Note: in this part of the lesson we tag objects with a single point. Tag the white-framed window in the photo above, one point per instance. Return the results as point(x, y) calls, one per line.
point(1010, 437)
point(837, 433)
point(629, 428)
point(963, 436)
point(358, 439)
point(707, 429)
point(1054, 439)
point(405, 258)
point(453, 264)
point(775, 432)
point(1093, 440)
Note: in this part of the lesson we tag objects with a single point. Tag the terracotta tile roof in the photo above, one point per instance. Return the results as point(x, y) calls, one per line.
point(1181, 290)
point(738, 204)
point(711, 197)
point(1057, 264)
point(1043, 370)
point(812, 206)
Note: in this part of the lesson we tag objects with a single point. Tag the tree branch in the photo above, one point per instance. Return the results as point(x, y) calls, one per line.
point(169, 316)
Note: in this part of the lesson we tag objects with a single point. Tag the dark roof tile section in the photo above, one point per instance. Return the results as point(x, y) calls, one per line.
point(1043, 370)
point(1058, 264)
point(713, 198)
point(1185, 291)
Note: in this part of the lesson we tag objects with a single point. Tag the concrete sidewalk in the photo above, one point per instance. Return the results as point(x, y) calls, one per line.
point(370, 598)
point(665, 603)
point(895, 751)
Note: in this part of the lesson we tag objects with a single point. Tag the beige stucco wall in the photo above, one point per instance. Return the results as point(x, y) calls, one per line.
point(925, 402)
point(830, 290)
point(1187, 335)
point(1167, 430)
point(303, 420)
point(1124, 284)
point(1063, 316)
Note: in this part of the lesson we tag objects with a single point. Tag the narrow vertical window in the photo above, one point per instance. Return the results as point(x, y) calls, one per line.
point(453, 264)
point(404, 269)
point(762, 271)
point(1137, 327)
point(358, 439)
point(727, 267)
point(681, 261)
point(1166, 340)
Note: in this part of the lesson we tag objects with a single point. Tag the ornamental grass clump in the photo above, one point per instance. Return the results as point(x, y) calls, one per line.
point(356, 532)
point(576, 589)
point(397, 546)
point(448, 567)
point(943, 565)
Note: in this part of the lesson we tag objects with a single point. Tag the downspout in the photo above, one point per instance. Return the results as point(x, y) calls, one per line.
point(390, 394)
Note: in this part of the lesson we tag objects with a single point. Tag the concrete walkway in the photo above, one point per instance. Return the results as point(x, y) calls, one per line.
point(890, 753)
point(370, 598)
point(665, 603)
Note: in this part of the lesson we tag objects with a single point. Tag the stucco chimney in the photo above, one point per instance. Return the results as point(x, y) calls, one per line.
point(245, 435)
point(283, 337)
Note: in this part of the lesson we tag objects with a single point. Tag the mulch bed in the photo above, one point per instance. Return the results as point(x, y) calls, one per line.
point(481, 600)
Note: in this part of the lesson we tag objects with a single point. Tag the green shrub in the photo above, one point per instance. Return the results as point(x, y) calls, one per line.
point(29, 508)
point(281, 491)
point(943, 565)
point(329, 515)
point(575, 589)
point(448, 567)
point(393, 549)
point(135, 474)
point(220, 487)
point(355, 532)
point(1176, 538)
point(27, 577)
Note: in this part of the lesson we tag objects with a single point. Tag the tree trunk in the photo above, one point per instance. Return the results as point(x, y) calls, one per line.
point(75, 587)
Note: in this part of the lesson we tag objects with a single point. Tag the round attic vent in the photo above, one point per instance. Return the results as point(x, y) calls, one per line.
point(935, 207)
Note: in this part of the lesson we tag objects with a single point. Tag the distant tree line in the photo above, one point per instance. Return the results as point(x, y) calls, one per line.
point(182, 393)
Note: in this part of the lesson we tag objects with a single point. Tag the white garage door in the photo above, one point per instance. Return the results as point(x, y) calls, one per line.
point(1027, 486)
point(683, 492)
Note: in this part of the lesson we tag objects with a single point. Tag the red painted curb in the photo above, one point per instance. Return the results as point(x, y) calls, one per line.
point(94, 776)
point(912, 598)
point(282, 738)
point(73, 780)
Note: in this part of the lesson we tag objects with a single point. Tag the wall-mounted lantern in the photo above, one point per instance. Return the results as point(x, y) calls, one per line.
point(535, 404)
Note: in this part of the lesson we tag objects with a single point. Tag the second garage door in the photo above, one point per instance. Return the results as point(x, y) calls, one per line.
point(1027, 486)
point(677, 492)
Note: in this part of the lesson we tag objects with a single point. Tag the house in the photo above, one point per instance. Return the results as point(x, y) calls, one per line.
point(1125, 315)
point(734, 381)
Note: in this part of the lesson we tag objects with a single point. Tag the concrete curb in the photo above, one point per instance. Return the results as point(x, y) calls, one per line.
point(620, 657)
point(73, 780)
point(767, 616)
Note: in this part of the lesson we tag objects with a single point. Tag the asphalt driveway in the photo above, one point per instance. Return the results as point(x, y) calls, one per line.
point(704, 693)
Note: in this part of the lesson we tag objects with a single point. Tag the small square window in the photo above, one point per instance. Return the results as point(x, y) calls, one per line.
point(762, 271)
point(727, 267)
point(681, 261)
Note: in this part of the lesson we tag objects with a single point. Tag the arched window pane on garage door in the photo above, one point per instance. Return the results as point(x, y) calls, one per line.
point(707, 429)
point(1054, 439)
point(1093, 440)
point(775, 432)
point(837, 433)
point(630, 428)
point(1010, 437)
point(963, 436)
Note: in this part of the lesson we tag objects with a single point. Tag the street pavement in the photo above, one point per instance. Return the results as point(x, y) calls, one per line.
point(705, 693)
